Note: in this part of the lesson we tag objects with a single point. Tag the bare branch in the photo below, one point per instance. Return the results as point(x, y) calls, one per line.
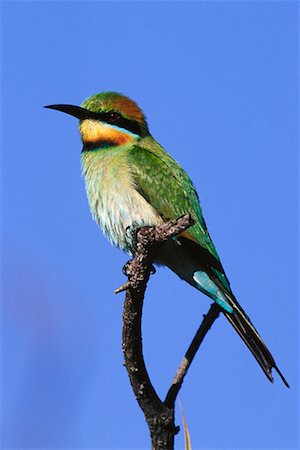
point(205, 326)
point(158, 414)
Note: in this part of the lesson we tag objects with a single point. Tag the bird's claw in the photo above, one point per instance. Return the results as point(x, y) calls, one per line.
point(131, 233)
point(126, 267)
point(152, 269)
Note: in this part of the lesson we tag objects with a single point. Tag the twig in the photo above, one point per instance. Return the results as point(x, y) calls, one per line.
point(158, 414)
point(122, 288)
point(205, 326)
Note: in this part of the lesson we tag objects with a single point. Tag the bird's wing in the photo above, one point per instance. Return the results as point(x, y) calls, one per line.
point(169, 190)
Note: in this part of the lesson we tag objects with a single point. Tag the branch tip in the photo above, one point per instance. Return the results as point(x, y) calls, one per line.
point(123, 287)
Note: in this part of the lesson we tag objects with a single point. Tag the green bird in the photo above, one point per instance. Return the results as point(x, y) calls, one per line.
point(131, 182)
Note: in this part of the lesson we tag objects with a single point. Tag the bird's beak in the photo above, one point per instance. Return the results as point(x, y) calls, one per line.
point(76, 111)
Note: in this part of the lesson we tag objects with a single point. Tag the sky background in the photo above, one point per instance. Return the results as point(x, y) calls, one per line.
point(218, 83)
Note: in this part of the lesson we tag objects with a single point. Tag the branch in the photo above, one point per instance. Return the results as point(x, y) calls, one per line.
point(205, 326)
point(158, 414)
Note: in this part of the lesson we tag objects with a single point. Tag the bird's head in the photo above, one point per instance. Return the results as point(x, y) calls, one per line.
point(107, 119)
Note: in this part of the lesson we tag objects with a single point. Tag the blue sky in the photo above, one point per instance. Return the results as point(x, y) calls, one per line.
point(218, 83)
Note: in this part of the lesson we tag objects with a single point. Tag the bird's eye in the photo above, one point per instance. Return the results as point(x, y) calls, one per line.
point(113, 116)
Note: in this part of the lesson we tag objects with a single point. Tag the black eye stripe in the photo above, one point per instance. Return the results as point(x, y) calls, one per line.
point(115, 118)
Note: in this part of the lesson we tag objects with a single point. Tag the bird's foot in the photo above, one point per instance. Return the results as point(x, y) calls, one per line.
point(152, 269)
point(131, 232)
point(126, 267)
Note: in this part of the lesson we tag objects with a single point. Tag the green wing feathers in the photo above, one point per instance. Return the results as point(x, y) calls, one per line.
point(168, 188)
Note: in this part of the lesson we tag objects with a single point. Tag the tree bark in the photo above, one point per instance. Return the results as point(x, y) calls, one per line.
point(158, 414)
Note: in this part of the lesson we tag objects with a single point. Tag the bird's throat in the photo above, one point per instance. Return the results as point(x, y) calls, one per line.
point(97, 135)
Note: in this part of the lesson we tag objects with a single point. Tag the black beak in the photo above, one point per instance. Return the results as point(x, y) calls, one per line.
point(76, 111)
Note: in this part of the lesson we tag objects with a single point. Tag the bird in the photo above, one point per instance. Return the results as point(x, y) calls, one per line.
point(131, 181)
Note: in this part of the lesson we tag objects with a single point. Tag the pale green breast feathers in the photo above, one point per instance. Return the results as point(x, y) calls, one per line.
point(115, 203)
point(136, 185)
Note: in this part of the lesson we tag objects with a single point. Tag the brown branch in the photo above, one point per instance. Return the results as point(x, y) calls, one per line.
point(208, 320)
point(158, 414)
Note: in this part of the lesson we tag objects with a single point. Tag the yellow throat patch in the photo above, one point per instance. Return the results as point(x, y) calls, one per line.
point(93, 132)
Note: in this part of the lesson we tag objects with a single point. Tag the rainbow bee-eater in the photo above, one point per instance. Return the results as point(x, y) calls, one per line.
point(131, 182)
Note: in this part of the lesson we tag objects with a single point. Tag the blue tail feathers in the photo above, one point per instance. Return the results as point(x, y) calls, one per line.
point(206, 285)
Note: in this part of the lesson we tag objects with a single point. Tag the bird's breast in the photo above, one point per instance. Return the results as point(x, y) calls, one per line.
point(116, 205)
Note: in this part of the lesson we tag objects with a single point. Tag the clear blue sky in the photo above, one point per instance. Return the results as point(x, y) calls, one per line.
point(218, 83)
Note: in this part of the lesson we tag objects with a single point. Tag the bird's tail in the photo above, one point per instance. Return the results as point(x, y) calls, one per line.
point(242, 324)
point(186, 260)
